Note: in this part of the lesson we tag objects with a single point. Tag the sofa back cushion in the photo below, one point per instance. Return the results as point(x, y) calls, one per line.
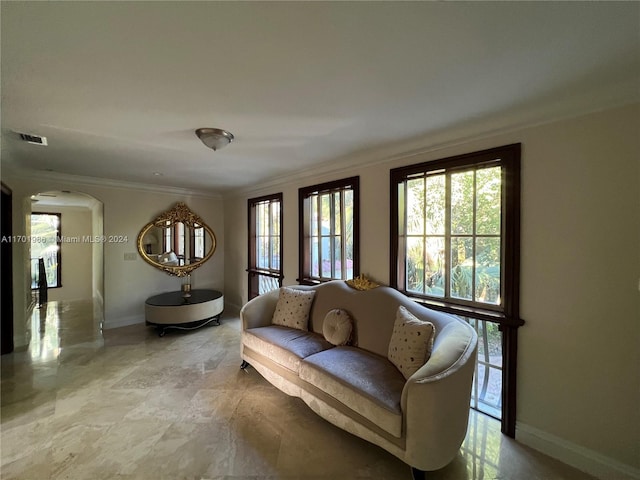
point(373, 313)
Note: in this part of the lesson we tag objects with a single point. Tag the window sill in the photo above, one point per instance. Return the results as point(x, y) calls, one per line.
point(467, 311)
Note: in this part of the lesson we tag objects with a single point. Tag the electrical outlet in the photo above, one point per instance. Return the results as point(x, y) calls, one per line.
point(130, 256)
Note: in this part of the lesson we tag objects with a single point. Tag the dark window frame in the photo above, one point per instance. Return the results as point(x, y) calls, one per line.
point(253, 271)
point(508, 315)
point(304, 233)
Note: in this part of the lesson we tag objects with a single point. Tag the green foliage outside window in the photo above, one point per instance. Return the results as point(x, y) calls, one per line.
point(472, 239)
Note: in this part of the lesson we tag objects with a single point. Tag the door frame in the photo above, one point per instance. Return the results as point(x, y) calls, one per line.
point(6, 262)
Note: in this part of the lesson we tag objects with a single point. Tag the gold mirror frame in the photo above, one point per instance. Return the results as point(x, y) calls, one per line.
point(179, 213)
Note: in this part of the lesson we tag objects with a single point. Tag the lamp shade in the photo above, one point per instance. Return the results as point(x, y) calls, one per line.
point(214, 138)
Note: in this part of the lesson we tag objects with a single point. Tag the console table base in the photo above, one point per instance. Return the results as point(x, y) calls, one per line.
point(162, 328)
point(173, 310)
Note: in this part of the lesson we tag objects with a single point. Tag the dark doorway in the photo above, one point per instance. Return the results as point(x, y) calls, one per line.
point(6, 267)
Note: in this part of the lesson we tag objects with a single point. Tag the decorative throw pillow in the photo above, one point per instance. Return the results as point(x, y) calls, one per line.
point(337, 327)
point(292, 309)
point(411, 342)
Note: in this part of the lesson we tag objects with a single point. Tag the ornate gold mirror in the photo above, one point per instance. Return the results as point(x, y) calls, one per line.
point(177, 241)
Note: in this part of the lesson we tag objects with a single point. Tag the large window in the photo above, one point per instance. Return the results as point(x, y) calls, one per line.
point(455, 247)
point(45, 249)
point(329, 231)
point(265, 244)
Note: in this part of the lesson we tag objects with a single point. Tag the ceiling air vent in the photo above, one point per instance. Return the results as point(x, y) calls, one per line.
point(35, 139)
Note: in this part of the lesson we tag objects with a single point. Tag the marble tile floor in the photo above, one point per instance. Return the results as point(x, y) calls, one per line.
point(82, 404)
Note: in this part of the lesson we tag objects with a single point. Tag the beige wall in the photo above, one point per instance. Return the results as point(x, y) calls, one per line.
point(579, 356)
point(125, 211)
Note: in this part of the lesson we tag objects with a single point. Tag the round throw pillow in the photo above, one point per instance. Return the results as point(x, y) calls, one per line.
point(337, 327)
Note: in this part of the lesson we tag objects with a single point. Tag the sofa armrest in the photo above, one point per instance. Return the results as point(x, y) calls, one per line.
point(436, 399)
point(259, 311)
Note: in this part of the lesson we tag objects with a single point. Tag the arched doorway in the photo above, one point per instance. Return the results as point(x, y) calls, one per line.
point(74, 251)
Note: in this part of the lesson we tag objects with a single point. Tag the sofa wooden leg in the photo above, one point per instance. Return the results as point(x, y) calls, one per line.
point(418, 474)
point(244, 365)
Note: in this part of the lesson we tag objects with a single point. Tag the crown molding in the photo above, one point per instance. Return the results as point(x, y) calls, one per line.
point(106, 182)
point(480, 129)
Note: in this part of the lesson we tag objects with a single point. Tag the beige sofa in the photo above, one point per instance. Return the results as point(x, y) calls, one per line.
point(421, 420)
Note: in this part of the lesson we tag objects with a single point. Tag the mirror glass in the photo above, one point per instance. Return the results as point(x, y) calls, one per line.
point(177, 241)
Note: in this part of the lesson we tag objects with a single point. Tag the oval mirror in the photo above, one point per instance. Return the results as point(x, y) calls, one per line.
point(177, 241)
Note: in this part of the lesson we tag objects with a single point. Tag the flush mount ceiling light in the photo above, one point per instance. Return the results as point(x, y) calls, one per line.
point(214, 138)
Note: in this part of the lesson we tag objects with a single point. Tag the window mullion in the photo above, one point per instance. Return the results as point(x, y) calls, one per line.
point(343, 236)
point(405, 240)
point(319, 221)
point(473, 236)
point(268, 234)
point(271, 234)
point(332, 234)
point(447, 236)
point(424, 235)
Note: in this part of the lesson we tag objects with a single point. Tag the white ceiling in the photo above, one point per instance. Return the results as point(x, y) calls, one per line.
point(118, 88)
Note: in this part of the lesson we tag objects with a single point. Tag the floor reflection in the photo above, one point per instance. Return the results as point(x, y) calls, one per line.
point(481, 448)
point(45, 338)
point(129, 404)
point(56, 326)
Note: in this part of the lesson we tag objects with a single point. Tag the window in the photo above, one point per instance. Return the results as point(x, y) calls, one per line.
point(45, 249)
point(265, 244)
point(179, 246)
point(197, 243)
point(455, 247)
point(167, 245)
point(329, 231)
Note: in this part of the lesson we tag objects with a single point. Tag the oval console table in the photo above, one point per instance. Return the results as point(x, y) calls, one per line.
point(172, 310)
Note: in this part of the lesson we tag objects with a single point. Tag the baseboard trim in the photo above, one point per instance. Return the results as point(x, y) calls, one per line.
point(589, 461)
point(123, 322)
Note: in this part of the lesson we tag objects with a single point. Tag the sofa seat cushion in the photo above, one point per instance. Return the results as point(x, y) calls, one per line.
point(285, 346)
point(367, 383)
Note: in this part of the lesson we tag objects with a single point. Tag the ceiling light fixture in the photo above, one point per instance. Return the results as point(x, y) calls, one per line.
point(214, 138)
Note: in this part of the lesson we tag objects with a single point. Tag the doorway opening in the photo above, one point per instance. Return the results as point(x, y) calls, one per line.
point(63, 254)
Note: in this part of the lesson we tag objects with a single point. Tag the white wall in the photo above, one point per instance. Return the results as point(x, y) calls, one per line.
point(77, 265)
point(579, 356)
point(127, 283)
